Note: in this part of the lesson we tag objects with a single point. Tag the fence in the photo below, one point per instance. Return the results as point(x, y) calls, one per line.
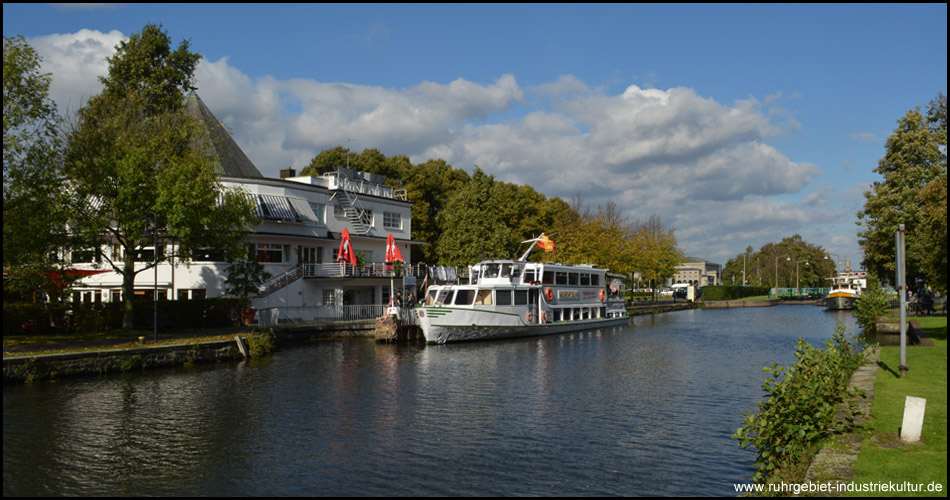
point(813, 293)
point(314, 315)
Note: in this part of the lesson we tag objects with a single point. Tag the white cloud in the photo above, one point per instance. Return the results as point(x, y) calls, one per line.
point(705, 167)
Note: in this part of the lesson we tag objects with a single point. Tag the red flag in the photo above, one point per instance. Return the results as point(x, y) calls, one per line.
point(392, 251)
point(346, 253)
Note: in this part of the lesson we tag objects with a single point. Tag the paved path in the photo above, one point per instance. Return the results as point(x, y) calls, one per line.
point(834, 463)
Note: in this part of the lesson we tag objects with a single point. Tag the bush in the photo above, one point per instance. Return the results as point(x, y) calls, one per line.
point(801, 406)
point(871, 306)
point(733, 292)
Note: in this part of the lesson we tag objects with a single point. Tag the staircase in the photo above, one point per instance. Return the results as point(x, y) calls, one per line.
point(359, 219)
point(281, 280)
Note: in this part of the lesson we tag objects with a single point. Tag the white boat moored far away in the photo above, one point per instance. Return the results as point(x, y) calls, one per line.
point(845, 291)
point(517, 298)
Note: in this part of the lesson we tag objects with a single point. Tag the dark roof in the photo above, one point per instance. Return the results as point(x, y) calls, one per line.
point(230, 160)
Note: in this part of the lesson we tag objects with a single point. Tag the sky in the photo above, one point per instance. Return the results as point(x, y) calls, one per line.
point(738, 125)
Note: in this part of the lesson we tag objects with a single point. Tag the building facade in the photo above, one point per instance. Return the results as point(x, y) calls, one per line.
point(302, 222)
point(698, 272)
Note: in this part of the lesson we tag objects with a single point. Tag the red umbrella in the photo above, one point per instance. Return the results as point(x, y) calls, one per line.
point(346, 253)
point(392, 251)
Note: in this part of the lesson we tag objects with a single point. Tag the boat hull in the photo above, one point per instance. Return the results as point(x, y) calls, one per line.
point(443, 325)
point(840, 302)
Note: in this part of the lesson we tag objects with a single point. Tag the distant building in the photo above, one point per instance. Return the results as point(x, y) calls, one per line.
point(698, 272)
point(297, 241)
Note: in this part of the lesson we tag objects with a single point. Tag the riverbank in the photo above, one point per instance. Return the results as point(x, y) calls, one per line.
point(870, 458)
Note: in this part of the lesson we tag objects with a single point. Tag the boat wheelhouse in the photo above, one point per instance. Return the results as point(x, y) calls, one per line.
point(516, 298)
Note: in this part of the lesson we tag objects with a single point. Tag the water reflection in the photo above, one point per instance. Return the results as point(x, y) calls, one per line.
point(642, 410)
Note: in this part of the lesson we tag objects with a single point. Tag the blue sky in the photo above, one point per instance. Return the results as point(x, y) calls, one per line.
point(737, 124)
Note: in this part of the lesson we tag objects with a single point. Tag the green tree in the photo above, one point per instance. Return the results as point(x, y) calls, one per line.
point(788, 263)
point(915, 156)
point(655, 249)
point(33, 212)
point(872, 306)
point(133, 153)
point(471, 224)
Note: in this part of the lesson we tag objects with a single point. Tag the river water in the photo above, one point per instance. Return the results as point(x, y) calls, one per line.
point(641, 410)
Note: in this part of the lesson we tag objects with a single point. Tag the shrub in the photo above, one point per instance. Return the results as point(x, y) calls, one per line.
point(733, 292)
point(800, 409)
point(871, 306)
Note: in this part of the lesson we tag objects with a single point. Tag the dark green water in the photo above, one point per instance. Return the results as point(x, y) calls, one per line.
point(643, 410)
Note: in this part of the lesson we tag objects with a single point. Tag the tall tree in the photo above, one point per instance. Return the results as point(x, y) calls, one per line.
point(33, 212)
point(915, 156)
point(471, 224)
point(133, 163)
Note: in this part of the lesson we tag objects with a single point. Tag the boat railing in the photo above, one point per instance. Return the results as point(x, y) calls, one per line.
point(370, 270)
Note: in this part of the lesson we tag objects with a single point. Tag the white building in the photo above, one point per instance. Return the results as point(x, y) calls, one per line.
point(697, 272)
point(298, 240)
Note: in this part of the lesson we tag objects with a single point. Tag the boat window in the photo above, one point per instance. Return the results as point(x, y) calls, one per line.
point(430, 297)
point(557, 315)
point(560, 278)
point(548, 278)
point(585, 279)
point(483, 298)
point(503, 297)
point(474, 275)
point(521, 297)
point(491, 270)
point(528, 276)
point(464, 297)
point(572, 279)
point(515, 271)
point(444, 298)
point(506, 270)
point(595, 280)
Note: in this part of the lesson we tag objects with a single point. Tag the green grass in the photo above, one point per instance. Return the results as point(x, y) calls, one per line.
point(883, 459)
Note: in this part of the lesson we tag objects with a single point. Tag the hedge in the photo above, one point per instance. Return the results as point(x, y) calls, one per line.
point(32, 318)
point(733, 292)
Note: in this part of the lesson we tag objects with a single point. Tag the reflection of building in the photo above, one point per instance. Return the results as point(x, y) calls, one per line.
point(698, 272)
point(297, 240)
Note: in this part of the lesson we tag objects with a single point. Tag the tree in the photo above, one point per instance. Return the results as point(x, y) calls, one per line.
point(472, 228)
point(133, 162)
point(655, 250)
point(915, 157)
point(33, 212)
point(788, 263)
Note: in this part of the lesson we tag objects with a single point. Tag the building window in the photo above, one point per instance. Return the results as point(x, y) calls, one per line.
point(193, 294)
point(320, 210)
point(270, 252)
point(392, 220)
point(329, 297)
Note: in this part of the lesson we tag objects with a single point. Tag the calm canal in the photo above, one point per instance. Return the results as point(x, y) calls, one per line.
point(643, 410)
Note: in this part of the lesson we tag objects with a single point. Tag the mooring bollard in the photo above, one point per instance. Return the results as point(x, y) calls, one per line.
point(141, 340)
point(913, 423)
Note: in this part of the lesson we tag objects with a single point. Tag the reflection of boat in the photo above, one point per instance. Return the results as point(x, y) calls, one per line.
point(845, 291)
point(516, 298)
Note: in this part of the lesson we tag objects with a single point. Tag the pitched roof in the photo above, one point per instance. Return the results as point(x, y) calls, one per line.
point(230, 160)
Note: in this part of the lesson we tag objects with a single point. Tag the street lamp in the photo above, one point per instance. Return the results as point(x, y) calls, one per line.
point(154, 217)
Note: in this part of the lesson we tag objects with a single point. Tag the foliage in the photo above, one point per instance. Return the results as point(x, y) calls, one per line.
point(132, 159)
point(872, 305)
point(785, 264)
point(732, 292)
point(472, 225)
point(244, 277)
point(261, 344)
point(915, 161)
point(33, 212)
point(800, 407)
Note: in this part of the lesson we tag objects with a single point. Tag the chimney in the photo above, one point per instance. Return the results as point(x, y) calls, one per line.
point(287, 172)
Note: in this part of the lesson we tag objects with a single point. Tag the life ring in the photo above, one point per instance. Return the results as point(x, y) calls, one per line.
point(603, 295)
point(549, 294)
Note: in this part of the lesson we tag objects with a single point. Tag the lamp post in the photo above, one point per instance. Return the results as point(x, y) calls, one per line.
point(154, 217)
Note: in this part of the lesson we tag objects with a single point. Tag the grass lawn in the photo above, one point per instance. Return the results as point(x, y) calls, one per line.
point(883, 458)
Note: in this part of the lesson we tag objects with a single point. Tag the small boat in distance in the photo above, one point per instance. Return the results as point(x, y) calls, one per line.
point(517, 298)
point(845, 291)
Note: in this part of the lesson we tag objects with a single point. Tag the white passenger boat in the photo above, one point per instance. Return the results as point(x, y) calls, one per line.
point(845, 292)
point(517, 298)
